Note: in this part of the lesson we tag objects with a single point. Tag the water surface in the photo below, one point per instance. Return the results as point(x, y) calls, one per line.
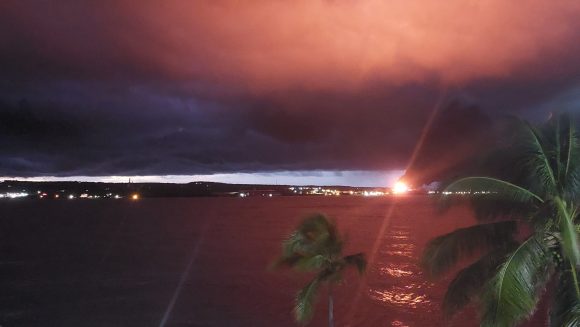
point(118, 263)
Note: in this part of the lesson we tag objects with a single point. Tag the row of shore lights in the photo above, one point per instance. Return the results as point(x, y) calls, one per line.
point(134, 196)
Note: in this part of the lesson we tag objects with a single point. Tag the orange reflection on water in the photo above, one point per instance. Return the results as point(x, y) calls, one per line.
point(398, 323)
point(396, 271)
point(400, 297)
point(400, 249)
point(403, 246)
point(408, 254)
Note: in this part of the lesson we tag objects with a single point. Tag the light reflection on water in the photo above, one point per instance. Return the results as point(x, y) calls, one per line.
point(401, 283)
point(396, 270)
point(399, 233)
point(407, 247)
point(407, 254)
point(402, 296)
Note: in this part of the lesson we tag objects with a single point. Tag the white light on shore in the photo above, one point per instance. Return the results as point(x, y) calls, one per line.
point(13, 195)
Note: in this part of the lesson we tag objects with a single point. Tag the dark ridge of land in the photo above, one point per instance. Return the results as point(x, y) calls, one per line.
point(194, 189)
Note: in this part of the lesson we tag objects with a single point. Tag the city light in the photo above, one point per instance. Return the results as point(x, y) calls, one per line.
point(135, 196)
point(400, 188)
point(13, 195)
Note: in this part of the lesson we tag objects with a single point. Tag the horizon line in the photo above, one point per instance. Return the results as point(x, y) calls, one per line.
point(352, 178)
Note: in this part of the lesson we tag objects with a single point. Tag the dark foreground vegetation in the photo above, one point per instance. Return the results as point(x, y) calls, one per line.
point(525, 245)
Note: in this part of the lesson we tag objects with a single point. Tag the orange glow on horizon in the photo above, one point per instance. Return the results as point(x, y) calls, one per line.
point(400, 188)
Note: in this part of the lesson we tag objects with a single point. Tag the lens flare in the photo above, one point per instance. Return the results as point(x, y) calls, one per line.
point(400, 188)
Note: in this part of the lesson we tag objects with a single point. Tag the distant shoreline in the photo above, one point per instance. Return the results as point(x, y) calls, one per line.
point(96, 190)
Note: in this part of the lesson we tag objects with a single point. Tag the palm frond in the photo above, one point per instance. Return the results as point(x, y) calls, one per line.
point(315, 235)
point(469, 281)
point(317, 226)
point(302, 263)
point(358, 260)
point(316, 246)
point(571, 179)
point(572, 146)
point(285, 261)
point(445, 251)
point(513, 293)
point(305, 300)
point(492, 198)
point(568, 233)
point(295, 243)
point(493, 188)
point(565, 311)
point(542, 218)
point(536, 161)
point(560, 166)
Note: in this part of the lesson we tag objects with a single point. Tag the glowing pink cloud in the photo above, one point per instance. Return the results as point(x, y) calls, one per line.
point(272, 45)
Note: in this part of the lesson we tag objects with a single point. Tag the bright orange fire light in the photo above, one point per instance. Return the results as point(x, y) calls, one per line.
point(400, 188)
point(135, 197)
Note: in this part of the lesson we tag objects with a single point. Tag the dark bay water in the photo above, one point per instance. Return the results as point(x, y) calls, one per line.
point(118, 263)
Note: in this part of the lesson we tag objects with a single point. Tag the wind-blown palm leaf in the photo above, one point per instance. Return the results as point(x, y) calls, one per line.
point(297, 243)
point(572, 147)
point(571, 179)
point(286, 261)
point(558, 151)
point(316, 246)
point(317, 227)
point(305, 300)
point(512, 294)
point(469, 281)
point(565, 310)
point(498, 188)
point(302, 263)
point(314, 235)
point(536, 162)
point(494, 198)
point(543, 217)
point(445, 251)
point(568, 232)
point(538, 184)
point(358, 260)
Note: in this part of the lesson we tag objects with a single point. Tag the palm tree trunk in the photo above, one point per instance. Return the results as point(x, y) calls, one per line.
point(330, 307)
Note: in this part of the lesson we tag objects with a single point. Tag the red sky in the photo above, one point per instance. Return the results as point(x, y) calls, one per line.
point(272, 45)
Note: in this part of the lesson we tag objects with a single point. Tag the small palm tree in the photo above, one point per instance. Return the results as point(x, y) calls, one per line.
point(540, 191)
point(315, 246)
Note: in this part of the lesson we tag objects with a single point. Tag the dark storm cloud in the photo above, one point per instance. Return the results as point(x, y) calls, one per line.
point(100, 88)
point(459, 134)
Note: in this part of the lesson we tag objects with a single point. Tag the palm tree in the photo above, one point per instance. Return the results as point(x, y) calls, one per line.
point(315, 246)
point(526, 236)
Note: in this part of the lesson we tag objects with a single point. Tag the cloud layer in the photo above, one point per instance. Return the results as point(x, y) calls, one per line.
point(176, 87)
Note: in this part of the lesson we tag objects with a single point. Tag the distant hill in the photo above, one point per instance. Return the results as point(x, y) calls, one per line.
point(193, 189)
